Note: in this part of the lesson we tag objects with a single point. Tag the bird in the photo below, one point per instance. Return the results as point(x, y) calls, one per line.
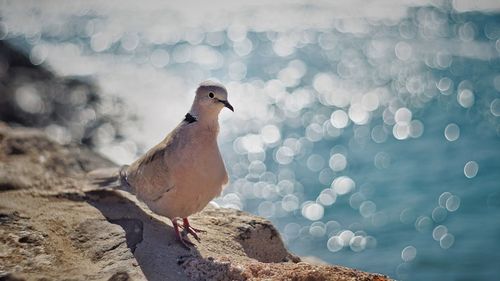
point(180, 175)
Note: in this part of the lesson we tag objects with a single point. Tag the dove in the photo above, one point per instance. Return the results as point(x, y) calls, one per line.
point(179, 176)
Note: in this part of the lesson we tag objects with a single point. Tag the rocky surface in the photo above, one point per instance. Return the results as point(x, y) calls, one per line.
point(55, 226)
point(69, 108)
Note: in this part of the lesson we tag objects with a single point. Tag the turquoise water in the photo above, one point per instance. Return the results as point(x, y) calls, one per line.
point(369, 142)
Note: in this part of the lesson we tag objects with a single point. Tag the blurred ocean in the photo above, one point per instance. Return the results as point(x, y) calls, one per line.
point(367, 131)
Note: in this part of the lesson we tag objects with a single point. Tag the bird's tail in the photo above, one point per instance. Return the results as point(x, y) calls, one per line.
point(115, 178)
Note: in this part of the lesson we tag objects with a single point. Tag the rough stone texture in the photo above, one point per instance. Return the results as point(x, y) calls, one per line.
point(55, 226)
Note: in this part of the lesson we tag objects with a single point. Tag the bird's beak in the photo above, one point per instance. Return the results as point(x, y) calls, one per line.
point(228, 105)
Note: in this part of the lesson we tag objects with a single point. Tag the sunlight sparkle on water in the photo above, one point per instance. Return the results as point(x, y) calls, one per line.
point(466, 98)
point(401, 131)
point(423, 224)
point(439, 214)
point(445, 85)
point(453, 203)
point(443, 197)
point(339, 119)
point(327, 197)
point(495, 107)
point(447, 240)
point(382, 160)
point(379, 134)
point(416, 129)
point(438, 232)
point(356, 200)
point(317, 229)
point(346, 237)
point(335, 244)
point(358, 114)
point(338, 162)
point(409, 253)
point(367, 209)
point(357, 243)
point(284, 155)
point(343, 185)
point(315, 162)
point(312, 211)
point(470, 169)
point(290, 203)
point(270, 134)
point(452, 132)
point(403, 116)
point(403, 51)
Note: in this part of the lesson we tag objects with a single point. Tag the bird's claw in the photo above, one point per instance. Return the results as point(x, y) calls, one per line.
point(186, 230)
point(197, 230)
point(181, 236)
point(189, 230)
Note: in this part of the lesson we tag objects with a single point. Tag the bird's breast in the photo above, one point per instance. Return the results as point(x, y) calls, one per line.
point(199, 158)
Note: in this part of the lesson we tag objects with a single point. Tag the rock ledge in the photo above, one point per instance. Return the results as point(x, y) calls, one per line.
point(55, 226)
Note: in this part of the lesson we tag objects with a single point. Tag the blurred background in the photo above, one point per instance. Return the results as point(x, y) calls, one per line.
point(368, 132)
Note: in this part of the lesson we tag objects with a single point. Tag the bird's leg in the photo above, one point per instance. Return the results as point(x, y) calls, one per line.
point(188, 225)
point(193, 231)
point(186, 243)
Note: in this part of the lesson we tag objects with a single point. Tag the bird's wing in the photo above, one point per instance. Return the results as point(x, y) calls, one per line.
point(150, 174)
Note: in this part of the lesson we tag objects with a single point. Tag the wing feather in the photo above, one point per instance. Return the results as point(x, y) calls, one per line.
point(150, 174)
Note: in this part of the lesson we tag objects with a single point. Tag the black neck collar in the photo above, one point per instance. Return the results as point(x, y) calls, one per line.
point(190, 118)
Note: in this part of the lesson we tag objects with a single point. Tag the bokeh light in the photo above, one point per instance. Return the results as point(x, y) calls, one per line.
point(452, 132)
point(470, 169)
point(409, 253)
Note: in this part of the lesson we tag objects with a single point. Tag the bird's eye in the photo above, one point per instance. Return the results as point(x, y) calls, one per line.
point(211, 95)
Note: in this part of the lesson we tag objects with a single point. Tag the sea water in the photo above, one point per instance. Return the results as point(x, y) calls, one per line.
point(368, 133)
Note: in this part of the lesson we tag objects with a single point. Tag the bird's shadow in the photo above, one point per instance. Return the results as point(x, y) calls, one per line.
point(151, 240)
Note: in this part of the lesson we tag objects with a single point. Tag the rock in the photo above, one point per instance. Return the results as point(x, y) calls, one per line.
point(69, 108)
point(54, 225)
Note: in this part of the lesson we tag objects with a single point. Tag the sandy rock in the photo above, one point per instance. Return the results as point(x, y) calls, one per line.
point(54, 225)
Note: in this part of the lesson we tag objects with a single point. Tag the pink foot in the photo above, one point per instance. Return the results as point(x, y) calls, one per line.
point(191, 230)
point(185, 242)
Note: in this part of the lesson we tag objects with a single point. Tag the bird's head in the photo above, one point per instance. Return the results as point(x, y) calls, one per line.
point(211, 97)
